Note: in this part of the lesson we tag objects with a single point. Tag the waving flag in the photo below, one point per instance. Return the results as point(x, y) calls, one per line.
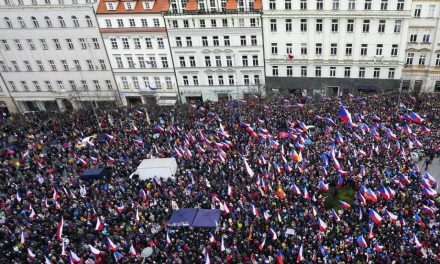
point(375, 217)
point(322, 224)
point(344, 115)
point(306, 194)
point(248, 169)
point(23, 238)
point(222, 246)
point(300, 254)
point(429, 177)
point(136, 217)
point(99, 225)
point(378, 247)
point(295, 189)
point(361, 241)
point(417, 242)
point(274, 234)
point(230, 192)
point(74, 257)
point(121, 208)
point(415, 118)
point(47, 260)
point(344, 204)
point(280, 257)
point(322, 186)
point(211, 238)
point(339, 139)
point(18, 196)
point(111, 245)
point(425, 130)
point(143, 195)
point(261, 246)
point(60, 229)
point(429, 192)
point(168, 239)
point(391, 216)
point(384, 193)
point(254, 210)
point(30, 254)
point(132, 251)
point(94, 250)
point(335, 216)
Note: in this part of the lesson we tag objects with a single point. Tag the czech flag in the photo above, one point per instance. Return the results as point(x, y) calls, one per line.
point(429, 192)
point(74, 257)
point(261, 246)
point(335, 216)
point(143, 195)
point(392, 216)
point(344, 115)
point(344, 204)
point(295, 189)
point(425, 130)
point(378, 247)
point(322, 186)
point(211, 238)
point(274, 234)
point(30, 254)
point(99, 225)
point(407, 130)
point(300, 254)
point(339, 139)
point(306, 194)
point(415, 118)
point(159, 129)
point(322, 224)
point(375, 217)
point(60, 229)
point(139, 141)
point(384, 193)
point(429, 177)
point(94, 250)
point(120, 208)
point(111, 245)
point(23, 237)
point(280, 257)
point(132, 251)
point(417, 242)
point(254, 210)
point(361, 241)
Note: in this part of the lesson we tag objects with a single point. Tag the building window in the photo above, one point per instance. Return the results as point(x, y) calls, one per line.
point(202, 23)
point(417, 10)
point(15, 64)
point(160, 43)
point(273, 25)
point(367, 5)
point(318, 49)
point(348, 49)
point(21, 22)
point(335, 24)
point(274, 70)
point(289, 71)
point(174, 23)
point(431, 10)
point(48, 86)
point(18, 44)
point(376, 73)
point(57, 44)
point(319, 4)
point(189, 42)
point(31, 44)
point(114, 43)
point(255, 60)
point(391, 72)
point(124, 82)
point(272, 5)
point(152, 62)
point(120, 22)
point(35, 22)
point(108, 23)
point(52, 65)
point(109, 85)
point(229, 61)
point(397, 26)
point(168, 82)
point(422, 59)
point(8, 22)
point(366, 26)
point(332, 71)
point(226, 41)
point(13, 87)
point(137, 43)
point(437, 61)
point(437, 87)
point(289, 49)
point(60, 85)
point(289, 25)
point(218, 61)
point(274, 47)
point(303, 4)
point(102, 64)
point(400, 4)
point(347, 72)
point(141, 61)
point(132, 22)
point(244, 60)
point(333, 49)
point(215, 41)
point(178, 42)
point(335, 5)
point(61, 22)
point(148, 43)
point(246, 79)
point(119, 62)
point(381, 26)
point(303, 71)
point(303, 25)
point(44, 44)
point(318, 25)
point(394, 49)
point(89, 21)
point(364, 48)
point(65, 65)
point(379, 48)
point(210, 80)
point(231, 79)
point(350, 25)
point(426, 37)
point(362, 72)
point(220, 80)
point(196, 80)
point(413, 37)
point(225, 22)
point(78, 65)
point(318, 71)
point(164, 62)
point(28, 65)
point(303, 48)
point(90, 65)
point(213, 23)
point(351, 4)
point(257, 79)
point(26, 87)
point(204, 41)
point(409, 58)
point(83, 43)
point(192, 61)
point(125, 43)
point(36, 86)
point(146, 82)
point(69, 43)
point(135, 81)
point(207, 61)
point(384, 5)
point(156, 22)
point(288, 4)
point(144, 22)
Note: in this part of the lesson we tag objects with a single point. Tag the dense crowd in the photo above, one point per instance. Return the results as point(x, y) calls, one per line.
point(269, 165)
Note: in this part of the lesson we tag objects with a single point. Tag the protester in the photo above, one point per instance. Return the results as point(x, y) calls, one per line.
point(254, 159)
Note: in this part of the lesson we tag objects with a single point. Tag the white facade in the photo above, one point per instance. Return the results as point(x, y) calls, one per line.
point(218, 54)
point(336, 39)
point(139, 51)
point(422, 71)
point(52, 56)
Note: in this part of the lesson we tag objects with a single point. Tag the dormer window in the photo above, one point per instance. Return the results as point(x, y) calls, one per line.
point(129, 6)
point(148, 4)
point(111, 6)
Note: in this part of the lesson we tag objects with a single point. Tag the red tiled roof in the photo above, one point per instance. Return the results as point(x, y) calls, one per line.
point(258, 5)
point(192, 5)
point(158, 7)
point(231, 5)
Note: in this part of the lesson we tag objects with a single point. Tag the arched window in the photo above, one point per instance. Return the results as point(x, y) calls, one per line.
point(75, 21)
point(8, 22)
point(61, 20)
point(48, 22)
point(35, 22)
point(89, 21)
point(21, 22)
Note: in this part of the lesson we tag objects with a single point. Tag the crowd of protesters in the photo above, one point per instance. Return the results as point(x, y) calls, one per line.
point(267, 164)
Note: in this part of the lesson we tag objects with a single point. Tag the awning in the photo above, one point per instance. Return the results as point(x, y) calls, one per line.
point(166, 102)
